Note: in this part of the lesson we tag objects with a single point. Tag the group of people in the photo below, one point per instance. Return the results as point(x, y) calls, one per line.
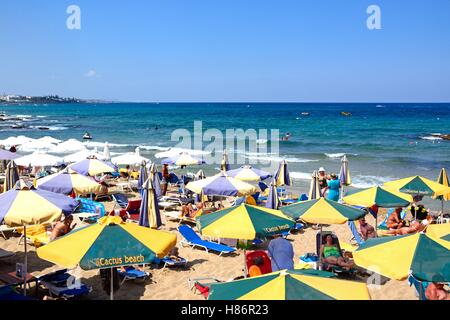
point(329, 185)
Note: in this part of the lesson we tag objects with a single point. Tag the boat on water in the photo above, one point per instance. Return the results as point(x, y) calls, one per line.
point(346, 114)
point(87, 136)
point(305, 113)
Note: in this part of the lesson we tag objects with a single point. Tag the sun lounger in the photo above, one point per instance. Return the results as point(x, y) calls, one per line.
point(357, 237)
point(383, 225)
point(320, 239)
point(6, 254)
point(170, 262)
point(193, 240)
point(7, 293)
point(63, 285)
point(120, 199)
point(37, 235)
point(5, 228)
point(132, 273)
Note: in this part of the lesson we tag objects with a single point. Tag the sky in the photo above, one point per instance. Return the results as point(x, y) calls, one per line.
point(227, 50)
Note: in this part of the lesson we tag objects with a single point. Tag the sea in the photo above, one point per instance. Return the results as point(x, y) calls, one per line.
point(382, 141)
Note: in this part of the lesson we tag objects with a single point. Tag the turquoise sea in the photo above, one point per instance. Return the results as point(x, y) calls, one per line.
point(382, 141)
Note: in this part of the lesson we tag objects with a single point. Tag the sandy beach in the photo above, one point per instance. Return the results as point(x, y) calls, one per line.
point(172, 283)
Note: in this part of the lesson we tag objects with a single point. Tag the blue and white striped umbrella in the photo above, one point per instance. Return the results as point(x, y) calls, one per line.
point(273, 201)
point(11, 176)
point(282, 176)
point(149, 215)
point(143, 176)
point(154, 176)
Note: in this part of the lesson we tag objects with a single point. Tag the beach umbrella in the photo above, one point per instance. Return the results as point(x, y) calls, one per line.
point(69, 146)
point(244, 222)
point(395, 257)
point(290, 285)
point(155, 179)
point(106, 152)
point(49, 140)
point(344, 175)
point(92, 167)
point(182, 159)
point(314, 189)
point(143, 176)
point(438, 230)
point(39, 159)
point(6, 155)
point(173, 152)
point(83, 155)
point(16, 141)
point(200, 175)
point(323, 211)
point(36, 145)
point(381, 197)
point(108, 244)
point(66, 182)
point(221, 185)
point(417, 185)
point(11, 176)
point(24, 205)
point(273, 201)
point(131, 159)
point(224, 165)
point(247, 173)
point(443, 179)
point(149, 215)
point(282, 175)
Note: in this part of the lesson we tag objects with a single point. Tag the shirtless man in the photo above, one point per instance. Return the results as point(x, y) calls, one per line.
point(395, 221)
point(367, 231)
point(190, 211)
point(62, 227)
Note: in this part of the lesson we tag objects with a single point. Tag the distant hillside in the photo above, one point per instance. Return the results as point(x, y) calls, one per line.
point(15, 99)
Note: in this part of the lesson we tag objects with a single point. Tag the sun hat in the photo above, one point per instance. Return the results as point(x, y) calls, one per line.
point(321, 169)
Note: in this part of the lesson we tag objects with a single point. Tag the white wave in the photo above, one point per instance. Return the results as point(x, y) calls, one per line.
point(431, 138)
point(176, 151)
point(363, 182)
point(265, 157)
point(157, 148)
point(23, 115)
point(339, 155)
point(111, 145)
point(261, 141)
point(300, 175)
point(41, 116)
point(50, 128)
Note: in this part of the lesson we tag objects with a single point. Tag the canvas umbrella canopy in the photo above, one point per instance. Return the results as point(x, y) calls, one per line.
point(383, 198)
point(417, 185)
point(36, 145)
point(71, 145)
point(344, 175)
point(395, 257)
point(143, 176)
point(221, 185)
point(11, 176)
point(290, 285)
point(273, 201)
point(6, 155)
point(14, 141)
point(248, 173)
point(182, 159)
point(92, 167)
point(224, 165)
point(244, 222)
point(39, 159)
point(49, 139)
point(149, 215)
point(200, 175)
point(109, 243)
point(131, 159)
point(443, 179)
point(83, 155)
point(438, 230)
point(314, 189)
point(155, 179)
point(106, 152)
point(322, 211)
point(66, 182)
point(282, 175)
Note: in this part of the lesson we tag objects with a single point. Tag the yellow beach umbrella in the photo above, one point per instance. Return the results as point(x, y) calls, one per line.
point(66, 182)
point(438, 230)
point(381, 197)
point(443, 179)
point(221, 185)
point(417, 185)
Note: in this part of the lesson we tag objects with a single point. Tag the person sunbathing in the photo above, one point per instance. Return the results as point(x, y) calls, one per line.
point(395, 221)
point(367, 231)
point(62, 228)
point(191, 211)
point(329, 253)
point(415, 227)
point(436, 291)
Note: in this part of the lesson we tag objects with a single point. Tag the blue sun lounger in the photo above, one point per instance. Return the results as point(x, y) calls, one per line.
point(193, 240)
point(383, 225)
point(132, 273)
point(62, 284)
point(356, 236)
point(169, 262)
point(7, 293)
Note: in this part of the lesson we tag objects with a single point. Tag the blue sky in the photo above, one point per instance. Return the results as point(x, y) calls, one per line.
point(228, 50)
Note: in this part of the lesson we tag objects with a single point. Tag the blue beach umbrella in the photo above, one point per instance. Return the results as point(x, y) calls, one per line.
point(282, 176)
point(7, 155)
point(149, 215)
point(221, 185)
point(143, 176)
point(273, 202)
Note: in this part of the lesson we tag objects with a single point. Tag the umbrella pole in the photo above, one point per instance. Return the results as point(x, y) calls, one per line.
point(111, 293)
point(442, 208)
point(26, 261)
point(245, 263)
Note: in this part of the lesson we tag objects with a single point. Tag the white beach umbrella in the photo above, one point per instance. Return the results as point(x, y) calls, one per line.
point(71, 145)
point(83, 154)
point(106, 152)
point(173, 152)
point(36, 145)
point(39, 159)
point(131, 158)
point(49, 139)
point(15, 141)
